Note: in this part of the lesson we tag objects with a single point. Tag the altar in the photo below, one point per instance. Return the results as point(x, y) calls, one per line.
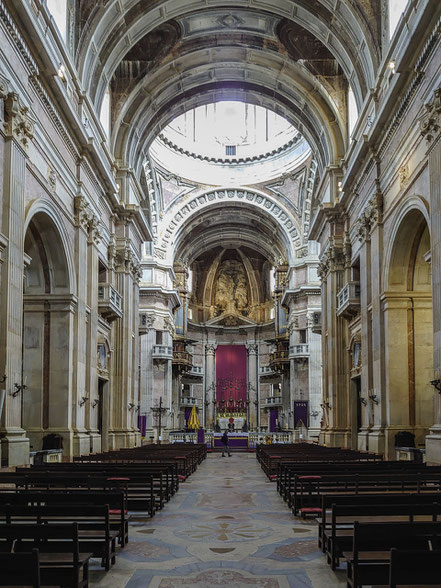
point(235, 440)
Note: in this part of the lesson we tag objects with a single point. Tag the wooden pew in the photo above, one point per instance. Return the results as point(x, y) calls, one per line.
point(138, 488)
point(368, 562)
point(95, 535)
point(307, 491)
point(61, 563)
point(27, 563)
point(339, 537)
point(387, 498)
point(288, 470)
point(412, 568)
point(117, 502)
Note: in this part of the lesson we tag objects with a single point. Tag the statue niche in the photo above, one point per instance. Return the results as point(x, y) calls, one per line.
point(231, 295)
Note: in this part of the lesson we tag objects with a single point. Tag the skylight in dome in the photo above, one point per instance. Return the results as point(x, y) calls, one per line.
point(225, 130)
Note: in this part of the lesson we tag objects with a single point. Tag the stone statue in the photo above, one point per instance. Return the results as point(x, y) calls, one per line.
point(231, 294)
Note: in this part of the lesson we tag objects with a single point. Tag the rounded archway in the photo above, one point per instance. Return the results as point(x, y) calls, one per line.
point(47, 332)
point(409, 328)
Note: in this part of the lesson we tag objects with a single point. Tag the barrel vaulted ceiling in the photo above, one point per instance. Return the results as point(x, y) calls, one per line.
point(163, 57)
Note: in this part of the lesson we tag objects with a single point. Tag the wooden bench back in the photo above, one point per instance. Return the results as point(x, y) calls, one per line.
point(414, 568)
point(28, 565)
point(384, 536)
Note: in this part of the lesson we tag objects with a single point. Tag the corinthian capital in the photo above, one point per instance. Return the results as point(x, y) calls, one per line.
point(18, 123)
point(252, 348)
point(210, 349)
point(430, 121)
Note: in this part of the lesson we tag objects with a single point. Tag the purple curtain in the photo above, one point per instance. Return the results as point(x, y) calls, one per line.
point(201, 436)
point(231, 373)
point(187, 416)
point(142, 424)
point(274, 415)
point(300, 412)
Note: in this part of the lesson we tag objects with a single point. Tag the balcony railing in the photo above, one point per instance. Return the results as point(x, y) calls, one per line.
point(109, 302)
point(192, 375)
point(268, 374)
point(279, 359)
point(190, 401)
point(348, 300)
point(183, 359)
point(273, 401)
point(299, 351)
point(162, 352)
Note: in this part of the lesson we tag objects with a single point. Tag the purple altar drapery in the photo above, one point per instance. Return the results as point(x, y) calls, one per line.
point(142, 424)
point(231, 373)
point(274, 415)
point(187, 415)
point(300, 412)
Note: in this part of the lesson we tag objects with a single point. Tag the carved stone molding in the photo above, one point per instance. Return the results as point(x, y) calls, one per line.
point(86, 219)
point(293, 324)
point(169, 326)
point(124, 260)
point(252, 348)
point(4, 87)
point(430, 121)
point(210, 349)
point(18, 123)
point(373, 213)
point(146, 321)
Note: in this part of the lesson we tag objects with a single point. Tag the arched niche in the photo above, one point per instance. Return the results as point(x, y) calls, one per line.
point(47, 332)
point(409, 326)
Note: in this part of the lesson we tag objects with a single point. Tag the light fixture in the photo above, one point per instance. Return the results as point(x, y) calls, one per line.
point(83, 400)
point(391, 65)
point(62, 72)
point(340, 189)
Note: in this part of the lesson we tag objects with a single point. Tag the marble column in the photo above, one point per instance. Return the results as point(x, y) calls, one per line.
point(252, 385)
point(431, 130)
point(315, 381)
point(210, 385)
point(91, 379)
point(19, 131)
point(376, 352)
point(84, 219)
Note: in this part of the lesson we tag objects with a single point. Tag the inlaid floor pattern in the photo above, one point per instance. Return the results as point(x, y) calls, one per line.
point(226, 527)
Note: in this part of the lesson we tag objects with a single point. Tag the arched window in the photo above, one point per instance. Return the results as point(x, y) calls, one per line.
point(58, 9)
point(396, 9)
point(352, 111)
point(105, 112)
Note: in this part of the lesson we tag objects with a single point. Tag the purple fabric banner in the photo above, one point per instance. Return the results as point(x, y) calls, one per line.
point(187, 415)
point(231, 374)
point(300, 412)
point(142, 424)
point(201, 436)
point(274, 415)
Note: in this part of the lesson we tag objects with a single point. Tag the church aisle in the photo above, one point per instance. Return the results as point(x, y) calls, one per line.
point(227, 527)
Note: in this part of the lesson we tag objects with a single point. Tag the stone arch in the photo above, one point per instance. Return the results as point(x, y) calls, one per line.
point(409, 324)
point(172, 229)
point(48, 310)
point(41, 209)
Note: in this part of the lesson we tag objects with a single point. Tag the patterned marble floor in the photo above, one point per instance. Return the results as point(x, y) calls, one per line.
point(226, 527)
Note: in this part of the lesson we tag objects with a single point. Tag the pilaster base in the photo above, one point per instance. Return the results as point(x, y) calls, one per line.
point(95, 442)
point(433, 446)
point(363, 440)
point(80, 444)
point(314, 434)
point(376, 442)
point(335, 438)
point(15, 448)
